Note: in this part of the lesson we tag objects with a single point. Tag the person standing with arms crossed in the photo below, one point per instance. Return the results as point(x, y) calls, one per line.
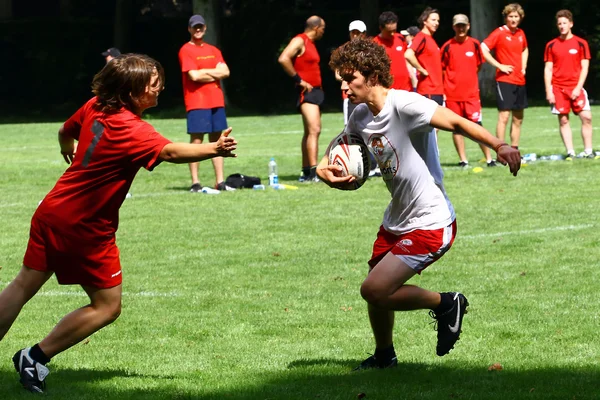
point(419, 224)
point(395, 46)
point(202, 68)
point(424, 54)
point(73, 230)
point(510, 45)
point(461, 61)
point(567, 62)
point(300, 60)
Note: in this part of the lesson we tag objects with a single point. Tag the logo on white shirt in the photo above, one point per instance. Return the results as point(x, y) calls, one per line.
point(385, 155)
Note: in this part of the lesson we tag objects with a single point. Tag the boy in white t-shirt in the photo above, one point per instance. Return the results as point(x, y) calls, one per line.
point(419, 223)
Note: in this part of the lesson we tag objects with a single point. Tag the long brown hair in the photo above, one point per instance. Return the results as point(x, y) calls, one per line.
point(124, 79)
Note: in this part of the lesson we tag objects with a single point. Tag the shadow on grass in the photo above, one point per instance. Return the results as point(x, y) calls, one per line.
point(327, 379)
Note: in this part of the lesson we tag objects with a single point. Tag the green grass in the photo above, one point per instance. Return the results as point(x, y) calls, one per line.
point(255, 294)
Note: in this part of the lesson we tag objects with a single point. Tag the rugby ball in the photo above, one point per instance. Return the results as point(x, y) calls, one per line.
point(351, 153)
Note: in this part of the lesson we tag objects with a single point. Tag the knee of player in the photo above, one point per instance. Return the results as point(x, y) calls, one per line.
point(372, 294)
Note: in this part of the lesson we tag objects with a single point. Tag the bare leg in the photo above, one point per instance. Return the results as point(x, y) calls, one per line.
point(486, 153)
point(459, 145)
point(385, 291)
point(104, 308)
point(217, 161)
point(566, 134)
point(17, 294)
point(586, 128)
point(311, 118)
point(501, 124)
point(515, 128)
point(195, 138)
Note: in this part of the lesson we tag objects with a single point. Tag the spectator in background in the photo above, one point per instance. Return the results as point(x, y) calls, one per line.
point(300, 60)
point(111, 53)
point(395, 46)
point(567, 61)
point(424, 54)
point(511, 55)
point(461, 61)
point(356, 29)
point(73, 230)
point(202, 68)
point(409, 34)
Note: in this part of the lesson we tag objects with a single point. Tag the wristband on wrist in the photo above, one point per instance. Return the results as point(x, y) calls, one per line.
point(296, 78)
point(496, 148)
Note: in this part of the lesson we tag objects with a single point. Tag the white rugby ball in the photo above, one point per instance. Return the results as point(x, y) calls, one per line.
point(352, 154)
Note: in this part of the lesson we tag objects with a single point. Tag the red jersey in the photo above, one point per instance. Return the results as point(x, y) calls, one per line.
point(566, 56)
point(200, 95)
point(85, 201)
point(307, 64)
point(509, 48)
point(395, 48)
point(428, 54)
point(460, 63)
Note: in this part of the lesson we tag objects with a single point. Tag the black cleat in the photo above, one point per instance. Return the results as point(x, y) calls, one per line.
point(196, 188)
point(449, 324)
point(33, 374)
point(372, 362)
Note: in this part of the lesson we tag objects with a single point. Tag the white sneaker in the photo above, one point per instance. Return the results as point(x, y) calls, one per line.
point(209, 190)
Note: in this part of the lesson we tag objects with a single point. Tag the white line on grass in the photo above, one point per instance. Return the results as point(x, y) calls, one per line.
point(529, 231)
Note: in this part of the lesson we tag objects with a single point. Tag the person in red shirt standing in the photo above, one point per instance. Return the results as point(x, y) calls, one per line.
point(512, 54)
point(424, 54)
point(202, 69)
point(300, 60)
point(73, 230)
point(395, 46)
point(567, 61)
point(461, 61)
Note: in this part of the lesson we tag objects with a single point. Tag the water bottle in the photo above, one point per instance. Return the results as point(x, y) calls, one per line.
point(530, 157)
point(273, 177)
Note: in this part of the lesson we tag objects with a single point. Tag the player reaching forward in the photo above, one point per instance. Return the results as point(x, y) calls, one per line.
point(419, 224)
point(73, 230)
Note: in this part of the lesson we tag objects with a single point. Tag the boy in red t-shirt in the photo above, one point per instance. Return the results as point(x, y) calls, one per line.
point(73, 230)
point(567, 61)
point(512, 53)
point(461, 61)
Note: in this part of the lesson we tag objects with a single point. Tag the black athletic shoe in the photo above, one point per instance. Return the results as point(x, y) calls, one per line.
point(449, 324)
point(196, 188)
point(33, 374)
point(492, 163)
point(372, 362)
point(463, 164)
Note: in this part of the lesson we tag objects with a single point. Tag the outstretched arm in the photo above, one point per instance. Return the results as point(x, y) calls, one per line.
point(449, 121)
point(181, 153)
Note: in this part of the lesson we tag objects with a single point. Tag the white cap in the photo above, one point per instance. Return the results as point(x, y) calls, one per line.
point(404, 32)
point(357, 25)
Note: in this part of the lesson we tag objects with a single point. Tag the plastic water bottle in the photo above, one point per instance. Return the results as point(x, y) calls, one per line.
point(273, 176)
point(530, 157)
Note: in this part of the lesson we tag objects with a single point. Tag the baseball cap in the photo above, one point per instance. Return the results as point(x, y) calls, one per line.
point(413, 30)
point(404, 32)
point(357, 25)
point(113, 52)
point(460, 19)
point(196, 20)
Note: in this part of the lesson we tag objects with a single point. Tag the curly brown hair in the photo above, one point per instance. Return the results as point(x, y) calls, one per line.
point(124, 79)
point(365, 56)
point(513, 7)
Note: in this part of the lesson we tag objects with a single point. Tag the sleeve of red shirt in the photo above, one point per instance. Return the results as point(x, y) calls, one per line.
point(72, 127)
point(524, 42)
point(219, 56)
point(147, 148)
point(586, 50)
point(548, 53)
point(492, 39)
point(478, 52)
point(186, 60)
point(418, 44)
point(445, 54)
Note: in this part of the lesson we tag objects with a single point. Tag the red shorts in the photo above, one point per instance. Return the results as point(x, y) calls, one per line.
point(470, 110)
point(73, 260)
point(564, 103)
point(418, 249)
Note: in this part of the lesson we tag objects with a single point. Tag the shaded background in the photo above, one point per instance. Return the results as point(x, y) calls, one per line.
point(50, 49)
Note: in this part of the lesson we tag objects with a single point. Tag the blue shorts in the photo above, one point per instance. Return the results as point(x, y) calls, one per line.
point(206, 120)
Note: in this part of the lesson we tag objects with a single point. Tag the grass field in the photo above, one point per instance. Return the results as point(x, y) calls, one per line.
point(255, 294)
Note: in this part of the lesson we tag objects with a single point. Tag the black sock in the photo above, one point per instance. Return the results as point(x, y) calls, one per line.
point(385, 354)
point(313, 172)
point(446, 303)
point(306, 171)
point(38, 355)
